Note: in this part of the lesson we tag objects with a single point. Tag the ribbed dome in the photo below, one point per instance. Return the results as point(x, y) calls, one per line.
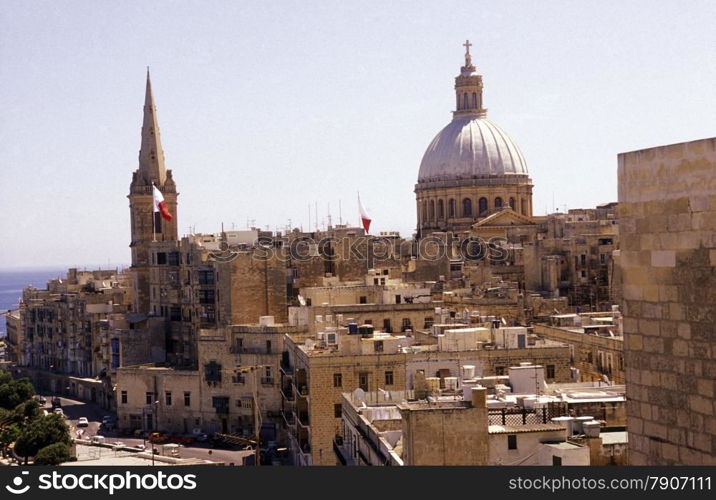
point(471, 146)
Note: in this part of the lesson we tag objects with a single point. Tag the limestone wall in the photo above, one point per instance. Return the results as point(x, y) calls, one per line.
point(667, 210)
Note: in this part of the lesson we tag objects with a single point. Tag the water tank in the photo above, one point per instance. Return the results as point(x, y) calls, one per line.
point(468, 372)
point(433, 383)
point(451, 383)
point(352, 328)
point(266, 321)
point(365, 330)
point(591, 428)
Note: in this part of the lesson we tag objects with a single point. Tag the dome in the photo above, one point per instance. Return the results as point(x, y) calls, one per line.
point(471, 146)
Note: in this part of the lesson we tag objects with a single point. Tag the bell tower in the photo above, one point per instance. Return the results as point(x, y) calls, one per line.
point(147, 226)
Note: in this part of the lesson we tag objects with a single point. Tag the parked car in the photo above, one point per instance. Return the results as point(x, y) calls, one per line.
point(58, 411)
point(97, 439)
point(199, 435)
point(82, 422)
point(56, 403)
point(40, 399)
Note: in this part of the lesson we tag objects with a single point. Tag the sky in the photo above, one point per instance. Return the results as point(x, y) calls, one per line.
point(266, 108)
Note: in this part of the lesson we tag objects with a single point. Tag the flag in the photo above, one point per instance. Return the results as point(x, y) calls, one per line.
point(363, 215)
point(159, 204)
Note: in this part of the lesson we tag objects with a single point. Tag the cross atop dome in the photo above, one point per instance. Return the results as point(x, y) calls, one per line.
point(468, 69)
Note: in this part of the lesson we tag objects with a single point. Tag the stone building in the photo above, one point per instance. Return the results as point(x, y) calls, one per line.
point(596, 344)
point(667, 210)
point(472, 168)
point(317, 371)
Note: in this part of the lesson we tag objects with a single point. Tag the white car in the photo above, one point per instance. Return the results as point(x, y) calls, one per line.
point(82, 422)
point(58, 411)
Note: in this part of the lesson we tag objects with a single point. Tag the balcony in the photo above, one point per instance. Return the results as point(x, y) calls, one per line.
point(303, 418)
point(286, 368)
point(287, 392)
point(288, 418)
point(267, 381)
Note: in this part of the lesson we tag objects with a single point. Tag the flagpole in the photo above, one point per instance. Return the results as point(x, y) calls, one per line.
point(154, 232)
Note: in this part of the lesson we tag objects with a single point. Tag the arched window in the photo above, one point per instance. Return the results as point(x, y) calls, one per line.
point(425, 211)
point(498, 202)
point(464, 101)
point(512, 204)
point(524, 206)
point(431, 213)
point(441, 209)
point(451, 207)
point(458, 101)
point(467, 207)
point(474, 100)
point(482, 205)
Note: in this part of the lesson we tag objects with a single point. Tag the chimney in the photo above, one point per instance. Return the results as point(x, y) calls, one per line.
point(479, 397)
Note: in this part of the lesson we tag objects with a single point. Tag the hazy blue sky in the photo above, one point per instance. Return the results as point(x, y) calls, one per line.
point(265, 107)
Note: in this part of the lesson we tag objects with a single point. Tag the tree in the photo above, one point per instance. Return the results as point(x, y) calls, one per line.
point(8, 434)
point(53, 454)
point(29, 410)
point(13, 392)
point(41, 432)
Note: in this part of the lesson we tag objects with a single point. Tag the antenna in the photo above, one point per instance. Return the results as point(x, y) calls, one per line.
point(316, 212)
point(309, 216)
point(340, 215)
point(329, 214)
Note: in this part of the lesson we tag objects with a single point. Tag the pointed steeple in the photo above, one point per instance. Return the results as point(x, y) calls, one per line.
point(151, 155)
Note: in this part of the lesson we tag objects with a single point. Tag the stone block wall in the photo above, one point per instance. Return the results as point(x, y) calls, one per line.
point(667, 218)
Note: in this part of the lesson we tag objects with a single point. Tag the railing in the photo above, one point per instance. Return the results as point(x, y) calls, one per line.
point(524, 416)
point(266, 380)
point(286, 368)
point(288, 417)
point(287, 393)
point(303, 418)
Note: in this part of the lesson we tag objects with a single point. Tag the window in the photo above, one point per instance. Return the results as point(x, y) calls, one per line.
point(602, 258)
point(206, 276)
point(451, 208)
point(550, 371)
point(441, 209)
point(362, 299)
point(498, 202)
point(337, 380)
point(389, 378)
point(363, 381)
point(161, 258)
point(378, 346)
point(268, 347)
point(467, 207)
point(173, 258)
point(431, 210)
point(149, 397)
point(187, 398)
point(512, 204)
point(524, 206)
point(512, 441)
point(499, 370)
point(206, 296)
point(464, 101)
point(406, 325)
point(556, 460)
point(397, 299)
point(337, 410)
point(124, 397)
point(212, 372)
point(168, 398)
point(474, 99)
point(583, 259)
point(482, 204)
point(386, 326)
point(175, 313)
point(428, 323)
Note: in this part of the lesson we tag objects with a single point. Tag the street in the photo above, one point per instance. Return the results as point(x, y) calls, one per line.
point(74, 409)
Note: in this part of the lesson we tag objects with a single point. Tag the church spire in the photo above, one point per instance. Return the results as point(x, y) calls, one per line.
point(151, 155)
point(468, 87)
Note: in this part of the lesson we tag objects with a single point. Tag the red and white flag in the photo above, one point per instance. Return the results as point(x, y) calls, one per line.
point(365, 220)
point(159, 204)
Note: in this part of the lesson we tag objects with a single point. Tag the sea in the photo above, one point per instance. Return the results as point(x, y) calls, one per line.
point(12, 281)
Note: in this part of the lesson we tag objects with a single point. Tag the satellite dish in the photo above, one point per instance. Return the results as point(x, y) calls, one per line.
point(301, 300)
point(359, 395)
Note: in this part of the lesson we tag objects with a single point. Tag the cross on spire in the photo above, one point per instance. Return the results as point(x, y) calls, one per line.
point(467, 46)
